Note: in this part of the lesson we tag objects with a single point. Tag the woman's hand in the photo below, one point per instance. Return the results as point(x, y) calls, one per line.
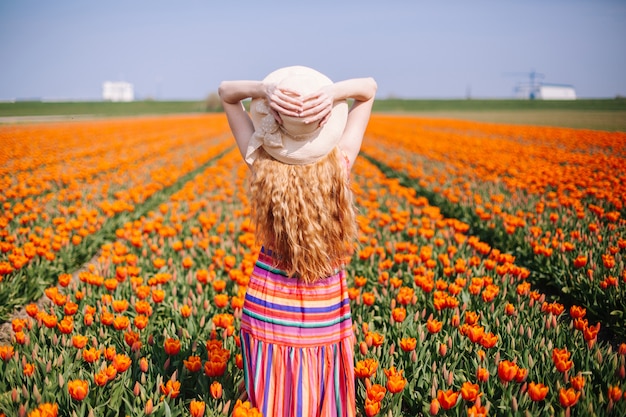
point(318, 105)
point(283, 101)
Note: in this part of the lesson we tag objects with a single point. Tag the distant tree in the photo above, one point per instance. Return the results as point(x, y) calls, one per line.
point(213, 103)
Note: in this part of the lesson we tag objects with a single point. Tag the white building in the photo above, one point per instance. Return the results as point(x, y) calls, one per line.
point(546, 92)
point(117, 91)
point(556, 92)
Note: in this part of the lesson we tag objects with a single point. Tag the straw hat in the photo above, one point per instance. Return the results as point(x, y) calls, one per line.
point(294, 142)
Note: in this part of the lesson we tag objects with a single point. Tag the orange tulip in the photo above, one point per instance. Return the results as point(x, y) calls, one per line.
point(366, 368)
point(196, 408)
point(577, 312)
point(119, 306)
point(471, 317)
point(376, 392)
point(91, 355)
point(28, 369)
point(568, 397)
point(121, 362)
point(507, 370)
point(580, 261)
point(578, 382)
point(477, 411)
point(395, 380)
point(110, 372)
point(170, 389)
point(220, 300)
point(590, 334)
point(172, 346)
point(408, 344)
point(110, 352)
point(214, 368)
point(193, 363)
point(6, 352)
point(121, 322)
point(216, 390)
point(434, 407)
point(614, 393)
point(447, 399)
point(488, 340)
point(78, 389)
point(475, 333)
point(398, 314)
point(470, 392)
point(433, 326)
point(372, 407)
point(158, 295)
point(185, 311)
point(537, 392)
point(244, 409)
point(521, 374)
point(482, 374)
point(79, 341)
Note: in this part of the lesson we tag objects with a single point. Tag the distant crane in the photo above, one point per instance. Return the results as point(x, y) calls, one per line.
point(532, 87)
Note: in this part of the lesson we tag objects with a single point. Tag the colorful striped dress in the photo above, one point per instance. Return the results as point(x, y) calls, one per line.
point(297, 344)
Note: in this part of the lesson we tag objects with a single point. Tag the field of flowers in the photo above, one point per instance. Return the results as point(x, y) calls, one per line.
point(458, 306)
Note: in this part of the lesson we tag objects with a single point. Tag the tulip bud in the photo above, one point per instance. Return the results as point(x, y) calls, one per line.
point(368, 384)
point(61, 380)
point(148, 409)
point(363, 348)
point(22, 411)
point(443, 349)
point(226, 407)
point(514, 403)
point(413, 356)
point(15, 395)
point(434, 407)
point(137, 389)
point(36, 394)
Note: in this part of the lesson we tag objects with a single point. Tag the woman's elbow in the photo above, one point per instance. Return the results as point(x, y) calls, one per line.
point(370, 88)
point(221, 90)
point(373, 83)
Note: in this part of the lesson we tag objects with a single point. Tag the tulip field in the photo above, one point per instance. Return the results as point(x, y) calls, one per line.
point(488, 278)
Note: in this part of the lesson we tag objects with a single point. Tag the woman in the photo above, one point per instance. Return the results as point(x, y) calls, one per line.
point(300, 141)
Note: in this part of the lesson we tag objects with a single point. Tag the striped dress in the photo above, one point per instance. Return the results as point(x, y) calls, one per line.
point(297, 344)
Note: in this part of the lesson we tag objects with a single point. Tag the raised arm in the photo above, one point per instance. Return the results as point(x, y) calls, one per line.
point(362, 90)
point(232, 94)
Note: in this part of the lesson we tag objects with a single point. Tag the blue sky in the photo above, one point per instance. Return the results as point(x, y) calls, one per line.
point(65, 49)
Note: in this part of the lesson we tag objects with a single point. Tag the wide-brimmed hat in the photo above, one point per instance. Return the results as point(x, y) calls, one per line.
point(295, 142)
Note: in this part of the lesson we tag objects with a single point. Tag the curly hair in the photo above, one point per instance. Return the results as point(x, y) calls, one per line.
point(304, 214)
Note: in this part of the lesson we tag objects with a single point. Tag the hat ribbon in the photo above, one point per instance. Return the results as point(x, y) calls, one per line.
point(266, 134)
